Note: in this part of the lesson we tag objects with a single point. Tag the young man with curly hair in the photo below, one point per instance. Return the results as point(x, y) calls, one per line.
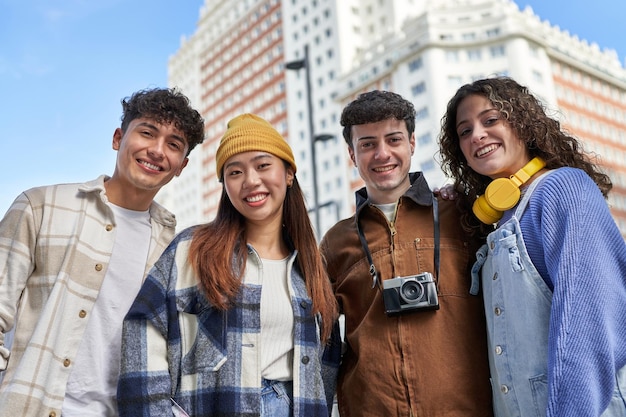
point(73, 257)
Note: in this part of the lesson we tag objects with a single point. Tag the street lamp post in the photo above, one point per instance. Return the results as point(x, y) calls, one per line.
point(333, 203)
point(297, 65)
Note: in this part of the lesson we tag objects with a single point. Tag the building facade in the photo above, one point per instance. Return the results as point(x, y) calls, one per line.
point(235, 62)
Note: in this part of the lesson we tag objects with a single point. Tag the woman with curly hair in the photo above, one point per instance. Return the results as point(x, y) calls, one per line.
point(553, 269)
point(237, 318)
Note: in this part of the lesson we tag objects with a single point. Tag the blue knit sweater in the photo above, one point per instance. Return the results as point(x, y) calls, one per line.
point(577, 248)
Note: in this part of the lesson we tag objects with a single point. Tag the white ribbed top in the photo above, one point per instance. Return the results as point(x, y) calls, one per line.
point(276, 322)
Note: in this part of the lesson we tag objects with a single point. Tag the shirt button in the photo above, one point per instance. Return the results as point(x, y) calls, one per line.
point(497, 311)
point(498, 350)
point(67, 363)
point(52, 414)
point(492, 245)
point(304, 304)
point(305, 360)
point(98, 267)
point(108, 227)
point(504, 389)
point(82, 314)
point(495, 276)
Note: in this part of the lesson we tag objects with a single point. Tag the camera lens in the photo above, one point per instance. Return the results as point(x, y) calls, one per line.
point(411, 291)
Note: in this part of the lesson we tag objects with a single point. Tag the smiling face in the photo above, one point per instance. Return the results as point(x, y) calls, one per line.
point(487, 141)
point(382, 153)
point(149, 155)
point(256, 184)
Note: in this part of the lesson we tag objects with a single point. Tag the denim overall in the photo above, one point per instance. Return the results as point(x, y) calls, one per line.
point(517, 306)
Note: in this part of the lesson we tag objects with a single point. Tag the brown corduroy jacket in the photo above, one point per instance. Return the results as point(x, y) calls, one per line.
point(419, 363)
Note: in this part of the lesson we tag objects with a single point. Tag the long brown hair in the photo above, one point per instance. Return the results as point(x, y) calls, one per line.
point(527, 117)
point(218, 253)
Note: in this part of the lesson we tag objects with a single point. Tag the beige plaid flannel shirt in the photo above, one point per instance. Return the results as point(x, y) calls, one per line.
point(55, 245)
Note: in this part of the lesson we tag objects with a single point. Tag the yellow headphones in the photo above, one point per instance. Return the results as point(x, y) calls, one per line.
point(503, 193)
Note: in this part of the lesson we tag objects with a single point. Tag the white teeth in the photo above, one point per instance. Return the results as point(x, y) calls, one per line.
point(255, 198)
point(151, 166)
point(488, 149)
point(383, 169)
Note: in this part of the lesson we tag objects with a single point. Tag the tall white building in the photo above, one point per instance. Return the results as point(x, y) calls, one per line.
point(423, 50)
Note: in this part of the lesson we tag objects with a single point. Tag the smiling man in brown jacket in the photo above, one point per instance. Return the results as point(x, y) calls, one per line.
point(400, 267)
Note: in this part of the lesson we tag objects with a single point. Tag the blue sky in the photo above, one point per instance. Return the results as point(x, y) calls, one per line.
point(65, 65)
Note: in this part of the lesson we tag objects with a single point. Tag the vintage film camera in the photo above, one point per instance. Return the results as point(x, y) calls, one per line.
point(415, 292)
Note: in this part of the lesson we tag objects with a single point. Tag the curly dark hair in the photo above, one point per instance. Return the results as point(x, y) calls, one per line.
point(375, 106)
point(165, 105)
point(527, 117)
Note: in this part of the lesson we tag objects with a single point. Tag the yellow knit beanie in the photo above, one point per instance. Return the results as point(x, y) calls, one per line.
point(249, 132)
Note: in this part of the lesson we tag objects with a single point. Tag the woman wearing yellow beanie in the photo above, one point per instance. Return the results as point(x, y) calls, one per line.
point(238, 316)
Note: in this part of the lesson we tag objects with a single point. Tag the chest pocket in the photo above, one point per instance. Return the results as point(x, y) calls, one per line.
point(203, 338)
point(454, 268)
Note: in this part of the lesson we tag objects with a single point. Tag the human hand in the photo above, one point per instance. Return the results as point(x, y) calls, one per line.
point(447, 192)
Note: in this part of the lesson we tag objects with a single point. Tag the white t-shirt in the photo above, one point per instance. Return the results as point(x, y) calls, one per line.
point(389, 210)
point(92, 384)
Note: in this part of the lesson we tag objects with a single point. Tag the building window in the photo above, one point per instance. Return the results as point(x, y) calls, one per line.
point(452, 56)
point(474, 55)
point(421, 114)
point(492, 33)
point(416, 64)
point(428, 165)
point(418, 88)
point(424, 139)
point(469, 36)
point(497, 51)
